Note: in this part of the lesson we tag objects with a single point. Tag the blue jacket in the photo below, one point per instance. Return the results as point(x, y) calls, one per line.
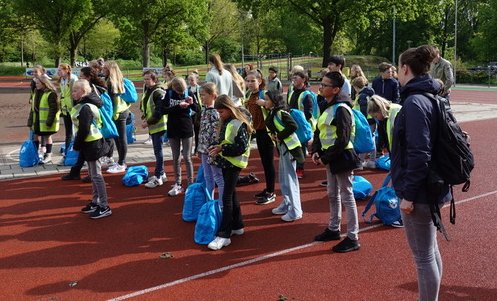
point(412, 145)
point(387, 88)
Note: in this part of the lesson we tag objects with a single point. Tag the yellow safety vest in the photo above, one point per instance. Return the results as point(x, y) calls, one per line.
point(291, 141)
point(66, 103)
point(300, 106)
point(328, 132)
point(229, 138)
point(148, 108)
point(95, 126)
point(43, 114)
point(394, 110)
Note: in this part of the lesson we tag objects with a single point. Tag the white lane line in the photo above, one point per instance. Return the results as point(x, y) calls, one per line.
point(257, 259)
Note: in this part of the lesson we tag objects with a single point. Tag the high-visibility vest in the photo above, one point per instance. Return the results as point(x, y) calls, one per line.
point(291, 141)
point(328, 132)
point(43, 114)
point(95, 126)
point(229, 138)
point(66, 103)
point(300, 105)
point(394, 110)
point(147, 106)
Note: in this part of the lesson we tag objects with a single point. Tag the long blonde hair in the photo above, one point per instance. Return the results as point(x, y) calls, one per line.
point(224, 102)
point(236, 76)
point(216, 61)
point(45, 80)
point(115, 77)
point(378, 104)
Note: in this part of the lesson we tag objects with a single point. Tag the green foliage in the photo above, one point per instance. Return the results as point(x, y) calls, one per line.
point(100, 41)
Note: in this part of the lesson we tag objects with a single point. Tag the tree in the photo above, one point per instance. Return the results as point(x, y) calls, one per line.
point(55, 19)
point(146, 19)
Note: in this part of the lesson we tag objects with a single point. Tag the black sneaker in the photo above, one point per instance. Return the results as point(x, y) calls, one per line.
point(346, 245)
point(69, 177)
point(328, 235)
point(267, 198)
point(101, 212)
point(261, 194)
point(253, 178)
point(89, 208)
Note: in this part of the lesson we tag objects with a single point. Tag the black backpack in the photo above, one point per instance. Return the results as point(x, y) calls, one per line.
point(452, 159)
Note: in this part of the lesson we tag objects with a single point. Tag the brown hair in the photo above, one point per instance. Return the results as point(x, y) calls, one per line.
point(224, 102)
point(258, 74)
point(418, 59)
point(359, 82)
point(209, 88)
point(216, 61)
point(152, 74)
point(378, 104)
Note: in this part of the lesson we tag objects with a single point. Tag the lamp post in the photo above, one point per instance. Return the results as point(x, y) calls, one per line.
point(393, 36)
point(455, 41)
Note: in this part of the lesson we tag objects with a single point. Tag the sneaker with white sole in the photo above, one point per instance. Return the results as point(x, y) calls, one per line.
point(154, 182)
point(218, 243)
point(117, 168)
point(237, 232)
point(176, 190)
point(100, 212)
point(148, 141)
point(47, 158)
point(288, 218)
point(163, 177)
point(89, 208)
point(280, 210)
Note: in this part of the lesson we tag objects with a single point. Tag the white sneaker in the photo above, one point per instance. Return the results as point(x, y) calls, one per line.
point(61, 162)
point(177, 189)
point(148, 141)
point(218, 243)
point(47, 158)
point(117, 168)
point(279, 210)
point(288, 218)
point(237, 232)
point(163, 177)
point(106, 162)
point(154, 182)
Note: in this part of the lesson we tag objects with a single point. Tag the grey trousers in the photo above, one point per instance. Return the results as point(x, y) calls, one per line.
point(186, 152)
point(98, 184)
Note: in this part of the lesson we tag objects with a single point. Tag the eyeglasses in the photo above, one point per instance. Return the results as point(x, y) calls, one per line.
point(326, 85)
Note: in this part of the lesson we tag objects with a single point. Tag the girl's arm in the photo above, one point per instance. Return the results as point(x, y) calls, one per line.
point(289, 124)
point(53, 108)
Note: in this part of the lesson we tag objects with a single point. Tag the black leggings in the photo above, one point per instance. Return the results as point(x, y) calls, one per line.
point(68, 127)
point(122, 140)
point(232, 214)
point(265, 147)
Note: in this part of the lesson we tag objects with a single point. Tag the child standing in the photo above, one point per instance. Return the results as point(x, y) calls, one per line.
point(274, 83)
point(177, 105)
point(89, 140)
point(155, 122)
point(333, 148)
point(194, 91)
point(282, 127)
point(265, 146)
point(209, 129)
point(232, 154)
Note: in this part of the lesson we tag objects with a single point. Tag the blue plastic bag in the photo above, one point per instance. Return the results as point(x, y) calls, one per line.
point(361, 187)
point(129, 95)
point(108, 129)
point(195, 198)
point(208, 222)
point(135, 175)
point(387, 205)
point(130, 128)
point(28, 154)
point(383, 162)
point(71, 156)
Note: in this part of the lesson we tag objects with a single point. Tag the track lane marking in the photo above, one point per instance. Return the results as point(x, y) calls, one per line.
point(257, 259)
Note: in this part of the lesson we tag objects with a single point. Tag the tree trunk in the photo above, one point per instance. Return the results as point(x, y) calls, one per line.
point(327, 40)
point(207, 50)
point(146, 51)
point(330, 29)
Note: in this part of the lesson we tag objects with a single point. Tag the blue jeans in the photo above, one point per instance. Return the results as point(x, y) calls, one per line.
point(159, 156)
point(340, 192)
point(422, 238)
point(289, 184)
point(213, 175)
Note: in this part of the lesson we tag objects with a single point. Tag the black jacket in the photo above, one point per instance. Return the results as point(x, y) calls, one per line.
point(179, 120)
point(412, 145)
point(92, 150)
point(339, 158)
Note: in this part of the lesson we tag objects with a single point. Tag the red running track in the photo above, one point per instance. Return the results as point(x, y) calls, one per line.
point(50, 251)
